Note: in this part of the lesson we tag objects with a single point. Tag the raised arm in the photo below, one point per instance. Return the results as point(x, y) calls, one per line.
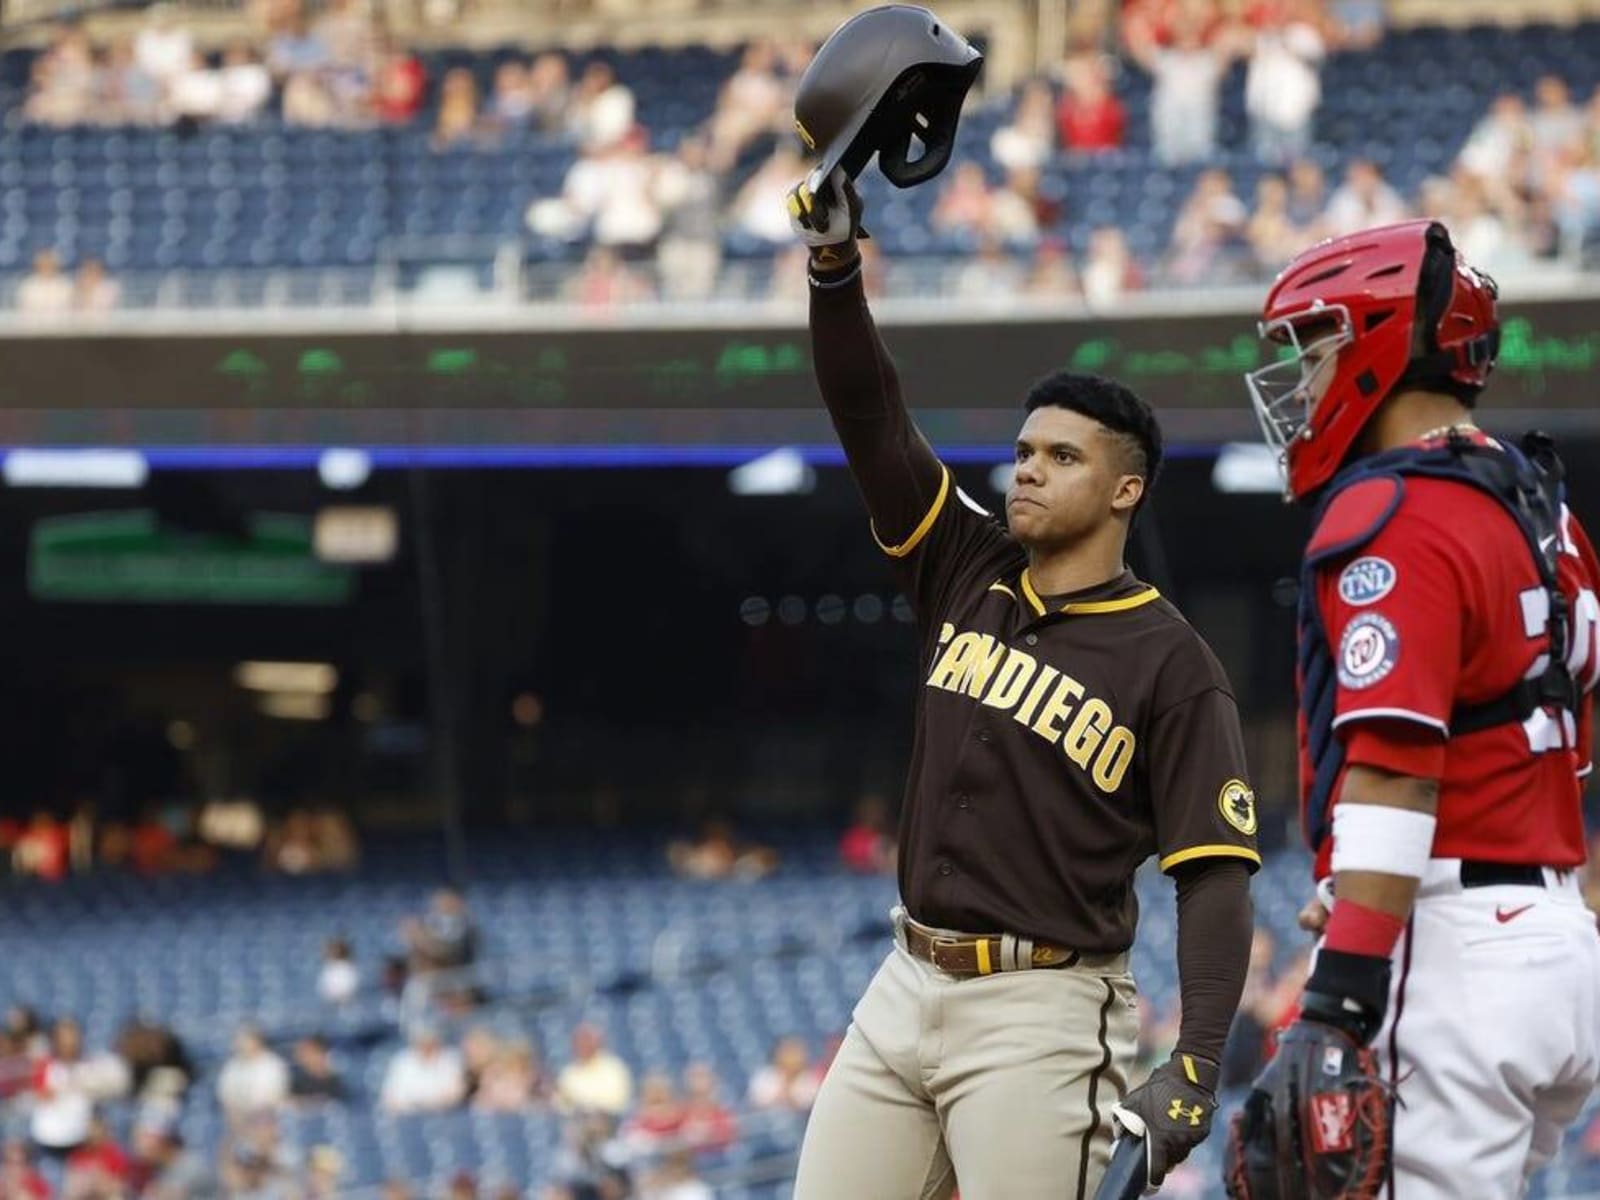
point(895, 468)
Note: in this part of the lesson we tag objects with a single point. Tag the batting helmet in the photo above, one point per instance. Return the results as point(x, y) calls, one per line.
point(1361, 316)
point(885, 76)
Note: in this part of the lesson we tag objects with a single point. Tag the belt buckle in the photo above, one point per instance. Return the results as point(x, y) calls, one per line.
point(936, 944)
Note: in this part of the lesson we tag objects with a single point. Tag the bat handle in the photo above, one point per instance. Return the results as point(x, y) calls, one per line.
point(1128, 1174)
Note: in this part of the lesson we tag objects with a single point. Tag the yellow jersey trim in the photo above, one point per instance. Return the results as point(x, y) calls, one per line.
point(921, 531)
point(1089, 607)
point(1216, 851)
point(997, 586)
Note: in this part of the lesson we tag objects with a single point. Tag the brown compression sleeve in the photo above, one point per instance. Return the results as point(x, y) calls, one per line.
point(895, 468)
point(1215, 923)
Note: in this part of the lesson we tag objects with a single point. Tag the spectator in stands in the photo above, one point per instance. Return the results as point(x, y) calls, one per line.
point(1558, 126)
point(26, 1028)
point(339, 979)
point(550, 91)
point(1274, 238)
point(1089, 117)
point(43, 851)
point(964, 203)
point(1574, 190)
point(789, 1082)
point(128, 94)
point(156, 1060)
point(324, 1173)
point(867, 847)
point(1208, 237)
point(1188, 76)
point(426, 1076)
point(675, 1179)
point(399, 84)
point(1109, 269)
point(990, 275)
point(307, 101)
point(596, 1080)
point(457, 122)
point(64, 81)
point(99, 1168)
point(16, 1067)
point(758, 208)
point(19, 1178)
point(611, 190)
point(750, 104)
point(590, 1162)
point(1283, 85)
point(511, 100)
point(1498, 138)
point(601, 108)
point(1246, 1050)
point(688, 194)
point(511, 1082)
point(1365, 199)
point(718, 854)
point(164, 46)
point(246, 85)
point(443, 939)
point(345, 30)
point(194, 94)
point(708, 1124)
point(1028, 140)
point(479, 1046)
point(296, 49)
point(1308, 197)
point(658, 1120)
point(314, 1079)
point(254, 1079)
point(1017, 208)
point(258, 1166)
point(1050, 276)
point(63, 1105)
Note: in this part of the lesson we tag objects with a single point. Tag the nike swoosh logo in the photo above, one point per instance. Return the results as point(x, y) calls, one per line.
point(1504, 915)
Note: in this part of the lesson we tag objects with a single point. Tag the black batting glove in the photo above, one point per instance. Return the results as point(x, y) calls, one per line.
point(1171, 1111)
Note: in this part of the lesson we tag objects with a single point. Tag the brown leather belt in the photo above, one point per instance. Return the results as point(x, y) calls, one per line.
point(967, 958)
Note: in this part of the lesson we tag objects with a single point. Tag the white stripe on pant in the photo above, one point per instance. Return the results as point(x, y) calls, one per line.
point(1005, 1081)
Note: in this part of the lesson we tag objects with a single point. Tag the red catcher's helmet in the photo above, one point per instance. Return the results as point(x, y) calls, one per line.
point(1356, 317)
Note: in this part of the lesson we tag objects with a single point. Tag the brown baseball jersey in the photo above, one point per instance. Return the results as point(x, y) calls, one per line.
point(1060, 741)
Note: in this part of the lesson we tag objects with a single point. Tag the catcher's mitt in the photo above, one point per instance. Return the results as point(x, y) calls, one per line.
point(1317, 1125)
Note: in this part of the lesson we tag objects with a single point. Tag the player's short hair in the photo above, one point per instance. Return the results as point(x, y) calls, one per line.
point(1105, 400)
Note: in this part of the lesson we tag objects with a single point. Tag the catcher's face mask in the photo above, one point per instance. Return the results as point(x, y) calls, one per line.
point(1287, 392)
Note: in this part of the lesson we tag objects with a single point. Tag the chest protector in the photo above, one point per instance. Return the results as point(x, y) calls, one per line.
point(1527, 483)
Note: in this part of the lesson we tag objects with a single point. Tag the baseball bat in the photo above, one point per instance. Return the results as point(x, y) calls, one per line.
point(1126, 1177)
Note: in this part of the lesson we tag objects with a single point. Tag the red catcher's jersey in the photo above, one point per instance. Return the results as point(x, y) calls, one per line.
point(1442, 608)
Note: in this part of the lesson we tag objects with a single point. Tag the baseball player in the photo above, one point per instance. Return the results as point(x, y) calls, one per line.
point(1447, 658)
point(1070, 724)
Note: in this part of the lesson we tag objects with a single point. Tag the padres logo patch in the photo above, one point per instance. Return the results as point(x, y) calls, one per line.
point(1367, 651)
point(1367, 580)
point(1238, 805)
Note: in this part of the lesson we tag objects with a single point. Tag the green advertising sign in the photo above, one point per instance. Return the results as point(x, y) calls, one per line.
point(128, 557)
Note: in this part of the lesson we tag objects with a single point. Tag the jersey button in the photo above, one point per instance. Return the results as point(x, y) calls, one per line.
point(984, 735)
point(963, 801)
point(1032, 639)
point(946, 869)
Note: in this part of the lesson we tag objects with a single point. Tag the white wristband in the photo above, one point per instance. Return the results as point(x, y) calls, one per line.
point(1376, 837)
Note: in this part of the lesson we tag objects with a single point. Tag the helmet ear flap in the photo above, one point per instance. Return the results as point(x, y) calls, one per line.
point(1435, 288)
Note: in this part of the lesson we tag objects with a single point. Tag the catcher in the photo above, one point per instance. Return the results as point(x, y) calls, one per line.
point(1450, 1027)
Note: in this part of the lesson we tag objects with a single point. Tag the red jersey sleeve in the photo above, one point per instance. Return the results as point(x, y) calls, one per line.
point(1394, 612)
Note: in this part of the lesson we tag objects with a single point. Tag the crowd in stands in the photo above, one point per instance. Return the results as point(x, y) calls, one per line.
point(656, 212)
